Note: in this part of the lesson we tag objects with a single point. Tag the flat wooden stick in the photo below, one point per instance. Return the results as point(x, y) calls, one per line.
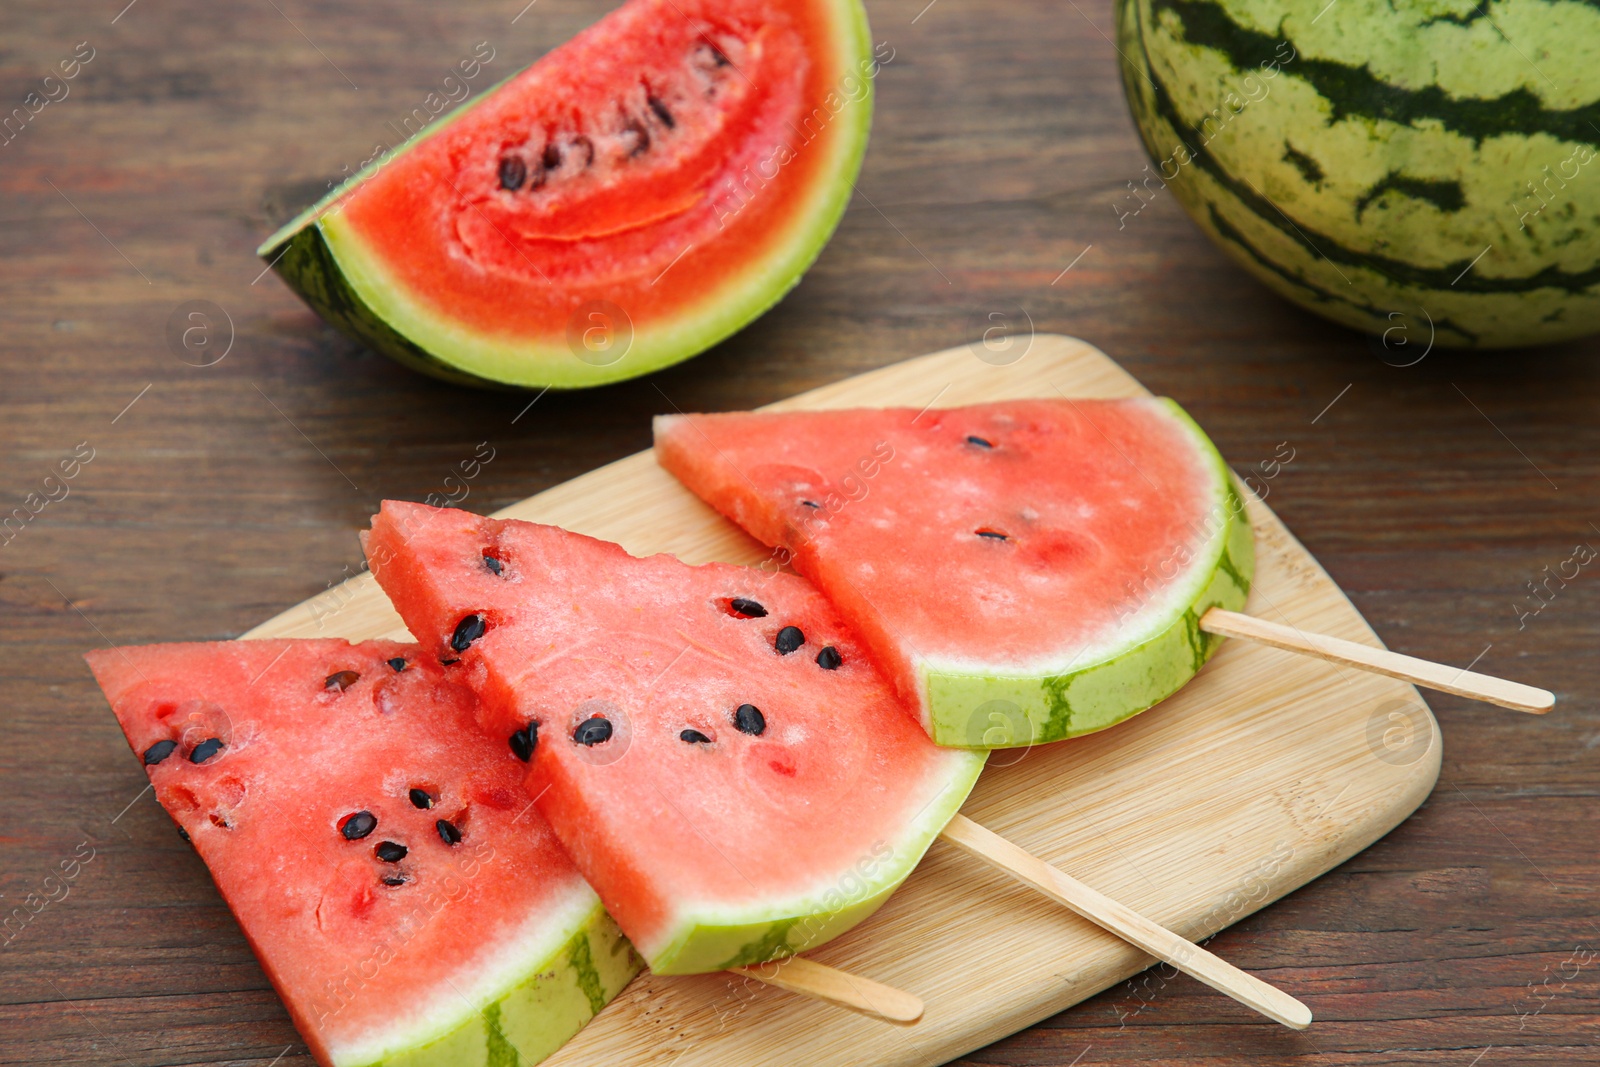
point(1126, 923)
point(1421, 672)
point(812, 979)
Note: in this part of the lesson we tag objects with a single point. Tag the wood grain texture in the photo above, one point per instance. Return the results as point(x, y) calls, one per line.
point(1432, 493)
point(1259, 775)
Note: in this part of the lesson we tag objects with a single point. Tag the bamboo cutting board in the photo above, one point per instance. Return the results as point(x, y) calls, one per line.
point(1264, 772)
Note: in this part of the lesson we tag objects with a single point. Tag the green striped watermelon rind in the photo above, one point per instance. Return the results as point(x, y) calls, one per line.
point(1375, 163)
point(321, 258)
point(719, 936)
point(543, 1006)
point(1078, 700)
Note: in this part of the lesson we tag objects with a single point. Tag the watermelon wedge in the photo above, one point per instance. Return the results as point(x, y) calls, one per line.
point(1027, 571)
point(626, 202)
point(378, 851)
point(714, 747)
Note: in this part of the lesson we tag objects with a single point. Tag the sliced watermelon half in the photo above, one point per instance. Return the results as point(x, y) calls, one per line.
point(1028, 570)
point(377, 849)
point(718, 752)
point(626, 202)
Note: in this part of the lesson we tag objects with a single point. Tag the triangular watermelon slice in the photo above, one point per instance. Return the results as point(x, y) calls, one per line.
point(1028, 570)
point(714, 747)
point(379, 852)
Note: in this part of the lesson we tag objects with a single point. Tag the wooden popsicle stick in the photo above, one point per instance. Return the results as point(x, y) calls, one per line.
point(1126, 923)
point(1421, 672)
point(812, 979)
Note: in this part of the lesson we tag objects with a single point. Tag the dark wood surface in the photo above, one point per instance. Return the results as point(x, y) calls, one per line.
point(1432, 493)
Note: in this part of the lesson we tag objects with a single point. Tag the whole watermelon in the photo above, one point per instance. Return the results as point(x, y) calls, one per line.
point(1421, 169)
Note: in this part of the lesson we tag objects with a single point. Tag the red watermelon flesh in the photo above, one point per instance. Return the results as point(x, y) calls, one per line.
point(661, 178)
point(378, 851)
point(1029, 570)
point(738, 802)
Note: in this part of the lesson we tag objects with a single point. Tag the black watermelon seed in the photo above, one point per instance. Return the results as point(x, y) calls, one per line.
point(829, 659)
point(390, 851)
point(661, 111)
point(593, 731)
point(789, 638)
point(398, 663)
point(513, 172)
point(993, 535)
point(158, 752)
point(747, 608)
point(493, 564)
point(445, 662)
point(184, 834)
point(694, 737)
point(749, 720)
point(205, 750)
point(392, 880)
point(340, 680)
point(468, 630)
point(552, 156)
point(811, 503)
point(421, 798)
point(359, 825)
point(524, 741)
point(974, 439)
point(448, 832)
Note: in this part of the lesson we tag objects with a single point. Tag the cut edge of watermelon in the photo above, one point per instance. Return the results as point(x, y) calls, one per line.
point(715, 937)
point(1062, 700)
point(323, 260)
point(580, 963)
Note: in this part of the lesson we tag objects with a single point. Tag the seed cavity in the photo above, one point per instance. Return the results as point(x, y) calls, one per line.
point(158, 752)
point(524, 741)
point(448, 832)
point(493, 564)
point(641, 137)
point(593, 731)
point(993, 535)
point(421, 798)
point(829, 659)
point(392, 880)
point(587, 145)
point(661, 111)
point(694, 737)
point(513, 172)
point(398, 664)
point(789, 638)
point(745, 608)
point(974, 439)
point(359, 825)
point(749, 720)
point(205, 750)
point(339, 681)
point(390, 851)
point(468, 630)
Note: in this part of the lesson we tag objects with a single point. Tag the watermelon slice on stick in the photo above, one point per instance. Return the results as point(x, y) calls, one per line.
point(626, 202)
point(1027, 570)
point(714, 748)
point(379, 852)
point(636, 689)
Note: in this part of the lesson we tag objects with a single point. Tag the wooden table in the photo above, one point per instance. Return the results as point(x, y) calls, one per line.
point(218, 495)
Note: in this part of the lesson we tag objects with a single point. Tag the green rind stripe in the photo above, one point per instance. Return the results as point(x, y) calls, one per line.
point(307, 266)
point(702, 943)
point(1458, 277)
point(540, 1012)
point(1353, 90)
